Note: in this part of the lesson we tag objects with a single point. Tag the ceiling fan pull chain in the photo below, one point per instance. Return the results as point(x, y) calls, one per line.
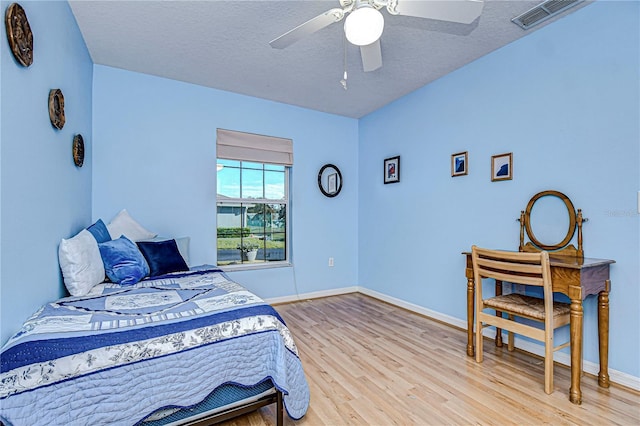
point(344, 63)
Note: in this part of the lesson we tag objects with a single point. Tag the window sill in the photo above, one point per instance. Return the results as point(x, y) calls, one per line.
point(254, 266)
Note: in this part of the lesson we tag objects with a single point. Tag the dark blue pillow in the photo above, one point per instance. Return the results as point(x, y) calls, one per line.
point(100, 232)
point(162, 256)
point(123, 262)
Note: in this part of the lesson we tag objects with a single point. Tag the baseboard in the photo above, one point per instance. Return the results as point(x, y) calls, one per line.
point(311, 295)
point(415, 308)
point(615, 376)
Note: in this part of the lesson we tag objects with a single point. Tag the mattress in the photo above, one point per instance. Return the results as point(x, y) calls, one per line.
point(120, 353)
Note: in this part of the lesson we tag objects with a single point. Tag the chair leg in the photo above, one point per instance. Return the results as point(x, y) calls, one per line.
point(511, 343)
point(478, 339)
point(548, 366)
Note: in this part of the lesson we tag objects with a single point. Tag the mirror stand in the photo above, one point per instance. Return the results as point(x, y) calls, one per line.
point(563, 247)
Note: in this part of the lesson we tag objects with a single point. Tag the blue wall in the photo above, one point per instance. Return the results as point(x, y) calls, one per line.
point(44, 196)
point(565, 100)
point(155, 155)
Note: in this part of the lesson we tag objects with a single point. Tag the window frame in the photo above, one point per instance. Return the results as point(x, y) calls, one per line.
point(286, 201)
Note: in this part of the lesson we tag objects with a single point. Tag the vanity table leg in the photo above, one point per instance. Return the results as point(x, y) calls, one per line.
point(576, 315)
point(603, 335)
point(470, 317)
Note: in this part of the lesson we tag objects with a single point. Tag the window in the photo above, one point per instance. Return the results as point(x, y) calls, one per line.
point(252, 200)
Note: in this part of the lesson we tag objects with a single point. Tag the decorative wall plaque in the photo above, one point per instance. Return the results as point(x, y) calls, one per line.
point(330, 180)
point(78, 150)
point(56, 108)
point(19, 34)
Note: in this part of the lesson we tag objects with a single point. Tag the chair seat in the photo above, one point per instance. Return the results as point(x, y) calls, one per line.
point(527, 306)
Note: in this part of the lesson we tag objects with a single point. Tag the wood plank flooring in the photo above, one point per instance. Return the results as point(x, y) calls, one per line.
point(370, 363)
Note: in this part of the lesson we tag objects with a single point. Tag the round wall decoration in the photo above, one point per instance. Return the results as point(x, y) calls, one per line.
point(78, 150)
point(330, 180)
point(19, 34)
point(56, 108)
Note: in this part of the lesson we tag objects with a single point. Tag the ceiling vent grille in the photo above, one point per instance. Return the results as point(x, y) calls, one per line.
point(542, 12)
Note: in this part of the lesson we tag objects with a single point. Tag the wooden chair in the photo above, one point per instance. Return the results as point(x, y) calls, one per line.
point(519, 268)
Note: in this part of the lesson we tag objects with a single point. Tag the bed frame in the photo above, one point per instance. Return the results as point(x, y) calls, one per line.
point(229, 414)
point(244, 409)
point(211, 416)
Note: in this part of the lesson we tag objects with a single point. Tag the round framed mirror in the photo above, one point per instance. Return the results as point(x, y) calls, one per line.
point(330, 180)
point(553, 213)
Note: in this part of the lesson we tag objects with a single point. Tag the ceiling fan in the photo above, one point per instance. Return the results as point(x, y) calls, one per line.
point(364, 23)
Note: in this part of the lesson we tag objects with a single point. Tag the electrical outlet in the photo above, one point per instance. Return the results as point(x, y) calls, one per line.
point(331, 261)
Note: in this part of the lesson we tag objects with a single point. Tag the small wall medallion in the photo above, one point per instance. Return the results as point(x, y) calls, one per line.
point(330, 180)
point(19, 34)
point(78, 150)
point(56, 108)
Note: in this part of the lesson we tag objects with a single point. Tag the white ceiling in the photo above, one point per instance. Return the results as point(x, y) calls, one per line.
point(225, 45)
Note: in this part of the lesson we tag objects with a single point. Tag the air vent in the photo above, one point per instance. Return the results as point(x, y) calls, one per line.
point(542, 12)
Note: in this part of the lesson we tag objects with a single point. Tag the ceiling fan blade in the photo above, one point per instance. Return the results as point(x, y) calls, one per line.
point(462, 11)
point(371, 56)
point(309, 27)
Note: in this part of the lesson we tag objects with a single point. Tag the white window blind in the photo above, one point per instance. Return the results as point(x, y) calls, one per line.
point(243, 146)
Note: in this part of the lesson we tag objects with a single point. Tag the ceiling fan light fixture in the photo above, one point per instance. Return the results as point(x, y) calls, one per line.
point(364, 26)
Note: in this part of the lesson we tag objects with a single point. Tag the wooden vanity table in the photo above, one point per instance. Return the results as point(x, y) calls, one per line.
point(573, 275)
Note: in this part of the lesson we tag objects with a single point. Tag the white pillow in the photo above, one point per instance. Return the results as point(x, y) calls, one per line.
point(124, 224)
point(81, 263)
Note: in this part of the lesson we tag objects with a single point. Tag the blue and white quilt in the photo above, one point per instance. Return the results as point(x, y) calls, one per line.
point(120, 353)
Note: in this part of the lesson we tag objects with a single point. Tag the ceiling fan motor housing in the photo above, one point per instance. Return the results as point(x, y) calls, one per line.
point(364, 25)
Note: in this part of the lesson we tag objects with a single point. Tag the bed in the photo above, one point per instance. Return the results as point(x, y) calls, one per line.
point(180, 347)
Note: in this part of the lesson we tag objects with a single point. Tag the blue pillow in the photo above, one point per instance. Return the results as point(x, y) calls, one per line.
point(100, 231)
point(162, 256)
point(123, 262)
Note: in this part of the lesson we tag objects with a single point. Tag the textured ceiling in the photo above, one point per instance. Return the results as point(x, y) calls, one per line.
point(225, 45)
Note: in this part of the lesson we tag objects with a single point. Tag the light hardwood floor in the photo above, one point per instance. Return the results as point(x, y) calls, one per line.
point(370, 363)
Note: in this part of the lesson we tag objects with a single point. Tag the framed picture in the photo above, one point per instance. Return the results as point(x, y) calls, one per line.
point(459, 164)
point(392, 170)
point(332, 183)
point(502, 167)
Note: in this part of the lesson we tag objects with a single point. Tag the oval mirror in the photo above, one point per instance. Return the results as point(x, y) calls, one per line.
point(554, 218)
point(330, 180)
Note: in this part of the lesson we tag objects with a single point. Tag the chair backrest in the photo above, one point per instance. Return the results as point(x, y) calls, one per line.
point(514, 267)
